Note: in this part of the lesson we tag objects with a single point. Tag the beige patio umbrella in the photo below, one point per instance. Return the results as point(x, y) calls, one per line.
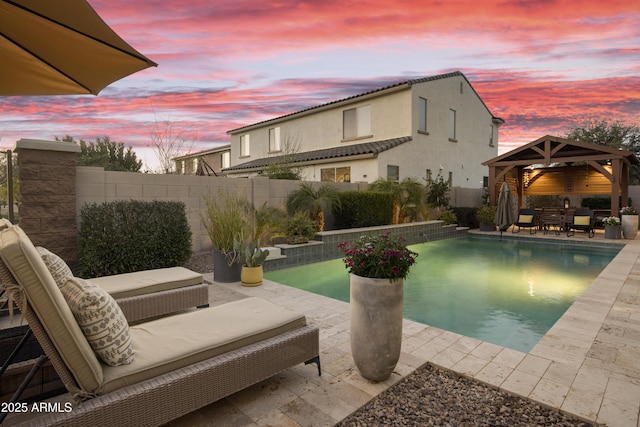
point(60, 47)
point(504, 212)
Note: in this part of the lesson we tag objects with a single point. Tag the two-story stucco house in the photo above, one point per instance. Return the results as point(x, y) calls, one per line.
point(417, 128)
point(207, 162)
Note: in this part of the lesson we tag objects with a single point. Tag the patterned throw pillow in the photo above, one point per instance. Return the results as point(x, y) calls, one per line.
point(101, 321)
point(56, 265)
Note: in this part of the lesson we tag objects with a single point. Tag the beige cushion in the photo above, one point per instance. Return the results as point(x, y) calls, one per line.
point(581, 220)
point(101, 321)
point(59, 269)
point(525, 219)
point(47, 302)
point(177, 341)
point(148, 281)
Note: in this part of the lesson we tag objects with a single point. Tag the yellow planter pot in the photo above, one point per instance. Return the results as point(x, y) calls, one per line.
point(251, 276)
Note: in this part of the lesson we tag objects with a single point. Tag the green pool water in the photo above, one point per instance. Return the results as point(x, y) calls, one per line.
point(507, 292)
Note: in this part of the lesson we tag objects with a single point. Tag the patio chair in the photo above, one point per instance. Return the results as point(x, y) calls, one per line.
point(180, 363)
point(527, 218)
point(583, 219)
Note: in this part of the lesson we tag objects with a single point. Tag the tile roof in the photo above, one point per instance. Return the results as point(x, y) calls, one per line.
point(347, 150)
point(406, 82)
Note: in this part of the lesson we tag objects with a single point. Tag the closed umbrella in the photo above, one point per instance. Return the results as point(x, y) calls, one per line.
point(504, 212)
point(60, 47)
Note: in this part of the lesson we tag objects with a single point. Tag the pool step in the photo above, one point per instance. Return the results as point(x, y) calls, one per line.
point(274, 253)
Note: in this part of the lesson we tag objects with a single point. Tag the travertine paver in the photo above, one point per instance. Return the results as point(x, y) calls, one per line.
point(588, 364)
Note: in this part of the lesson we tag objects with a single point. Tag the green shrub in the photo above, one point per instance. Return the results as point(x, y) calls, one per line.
point(467, 217)
point(601, 202)
point(126, 236)
point(447, 216)
point(363, 209)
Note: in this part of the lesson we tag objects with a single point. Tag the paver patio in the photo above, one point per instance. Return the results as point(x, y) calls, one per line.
point(588, 364)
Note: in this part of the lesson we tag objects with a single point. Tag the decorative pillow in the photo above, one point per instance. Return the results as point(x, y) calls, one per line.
point(581, 220)
point(56, 266)
point(101, 320)
point(526, 219)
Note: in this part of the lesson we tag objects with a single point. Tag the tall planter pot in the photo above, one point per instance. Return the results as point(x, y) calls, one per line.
point(629, 226)
point(222, 271)
point(376, 325)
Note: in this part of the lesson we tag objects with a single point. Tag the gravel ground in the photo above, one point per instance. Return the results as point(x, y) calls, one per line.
point(201, 262)
point(432, 396)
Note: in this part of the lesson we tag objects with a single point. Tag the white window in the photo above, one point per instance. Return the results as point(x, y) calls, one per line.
point(422, 115)
point(452, 125)
point(274, 140)
point(356, 122)
point(393, 172)
point(244, 145)
point(225, 159)
point(491, 135)
point(342, 174)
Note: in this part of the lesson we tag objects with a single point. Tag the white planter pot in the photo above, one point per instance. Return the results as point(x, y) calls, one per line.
point(376, 325)
point(629, 226)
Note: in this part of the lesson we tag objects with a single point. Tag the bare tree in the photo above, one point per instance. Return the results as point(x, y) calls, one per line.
point(169, 141)
point(283, 167)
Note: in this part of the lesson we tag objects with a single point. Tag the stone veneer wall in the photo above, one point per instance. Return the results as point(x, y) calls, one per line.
point(325, 245)
point(47, 173)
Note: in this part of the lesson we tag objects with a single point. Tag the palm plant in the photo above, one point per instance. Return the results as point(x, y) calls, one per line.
point(407, 198)
point(314, 202)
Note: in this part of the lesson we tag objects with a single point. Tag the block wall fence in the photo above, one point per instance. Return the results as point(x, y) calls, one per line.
point(54, 190)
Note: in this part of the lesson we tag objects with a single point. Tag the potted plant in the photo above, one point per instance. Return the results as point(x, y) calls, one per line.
point(378, 266)
point(251, 258)
point(629, 216)
point(226, 219)
point(299, 228)
point(486, 215)
point(612, 227)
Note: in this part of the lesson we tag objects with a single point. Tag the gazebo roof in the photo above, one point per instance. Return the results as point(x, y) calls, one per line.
point(552, 149)
point(606, 170)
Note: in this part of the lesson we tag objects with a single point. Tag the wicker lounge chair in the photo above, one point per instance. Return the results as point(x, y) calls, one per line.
point(151, 293)
point(527, 218)
point(181, 363)
point(583, 219)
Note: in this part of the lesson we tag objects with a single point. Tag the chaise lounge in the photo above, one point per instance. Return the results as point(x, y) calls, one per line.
point(174, 365)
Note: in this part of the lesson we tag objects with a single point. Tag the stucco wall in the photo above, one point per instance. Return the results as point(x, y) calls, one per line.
point(95, 185)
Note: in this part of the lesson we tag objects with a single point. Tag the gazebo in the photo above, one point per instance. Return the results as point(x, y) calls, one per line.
point(583, 168)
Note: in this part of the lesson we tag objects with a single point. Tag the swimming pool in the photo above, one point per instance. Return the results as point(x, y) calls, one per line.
point(507, 292)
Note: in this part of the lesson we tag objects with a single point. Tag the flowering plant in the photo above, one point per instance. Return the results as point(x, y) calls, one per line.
point(381, 257)
point(628, 210)
point(611, 220)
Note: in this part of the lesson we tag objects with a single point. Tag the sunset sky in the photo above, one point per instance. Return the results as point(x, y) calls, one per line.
point(542, 66)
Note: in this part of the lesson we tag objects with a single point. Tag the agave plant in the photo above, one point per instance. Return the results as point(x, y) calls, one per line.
point(250, 253)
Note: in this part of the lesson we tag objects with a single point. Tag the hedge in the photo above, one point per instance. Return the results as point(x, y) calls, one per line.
point(127, 236)
point(363, 209)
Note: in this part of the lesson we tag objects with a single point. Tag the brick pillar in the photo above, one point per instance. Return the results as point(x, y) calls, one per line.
point(47, 208)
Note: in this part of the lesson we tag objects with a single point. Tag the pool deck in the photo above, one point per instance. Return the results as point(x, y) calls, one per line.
point(587, 365)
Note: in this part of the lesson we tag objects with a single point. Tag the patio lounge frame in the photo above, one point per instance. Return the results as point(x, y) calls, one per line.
point(150, 399)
